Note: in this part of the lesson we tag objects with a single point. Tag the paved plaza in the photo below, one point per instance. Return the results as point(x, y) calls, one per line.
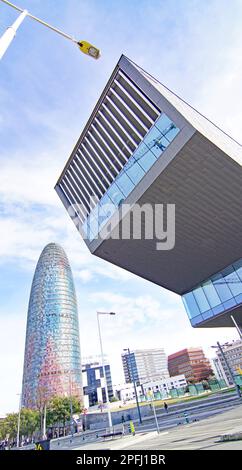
point(199, 435)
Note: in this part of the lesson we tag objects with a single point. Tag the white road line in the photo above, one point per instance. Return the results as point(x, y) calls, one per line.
point(138, 440)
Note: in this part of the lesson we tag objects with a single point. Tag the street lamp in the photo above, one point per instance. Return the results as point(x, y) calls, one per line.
point(103, 368)
point(151, 395)
point(134, 383)
point(236, 326)
point(71, 405)
point(19, 415)
point(231, 373)
point(10, 33)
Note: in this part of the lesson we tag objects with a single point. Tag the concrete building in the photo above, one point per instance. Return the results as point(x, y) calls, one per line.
point(125, 392)
point(94, 381)
point(233, 354)
point(146, 155)
point(192, 363)
point(218, 370)
point(145, 365)
point(164, 386)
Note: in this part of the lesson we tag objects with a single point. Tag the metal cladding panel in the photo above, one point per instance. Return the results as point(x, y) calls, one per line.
point(123, 116)
point(52, 363)
point(203, 125)
point(208, 222)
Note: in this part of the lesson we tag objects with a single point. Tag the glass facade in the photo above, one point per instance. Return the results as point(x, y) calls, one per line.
point(52, 363)
point(94, 383)
point(150, 149)
point(130, 367)
point(220, 293)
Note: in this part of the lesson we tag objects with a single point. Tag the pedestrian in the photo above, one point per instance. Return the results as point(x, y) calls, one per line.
point(83, 427)
point(122, 419)
point(166, 406)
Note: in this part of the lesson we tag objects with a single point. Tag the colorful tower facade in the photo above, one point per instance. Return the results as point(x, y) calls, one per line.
point(52, 362)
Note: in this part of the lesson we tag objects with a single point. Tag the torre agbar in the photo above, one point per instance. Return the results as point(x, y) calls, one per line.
point(52, 362)
point(144, 147)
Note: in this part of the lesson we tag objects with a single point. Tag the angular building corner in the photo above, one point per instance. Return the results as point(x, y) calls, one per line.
point(52, 362)
point(144, 145)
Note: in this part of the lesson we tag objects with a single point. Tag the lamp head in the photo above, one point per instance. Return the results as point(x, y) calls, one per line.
point(89, 49)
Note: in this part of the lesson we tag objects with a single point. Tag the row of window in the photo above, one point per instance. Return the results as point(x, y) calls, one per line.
point(146, 154)
point(221, 292)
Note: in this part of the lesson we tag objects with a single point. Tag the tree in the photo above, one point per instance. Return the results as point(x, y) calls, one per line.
point(11, 425)
point(113, 399)
point(59, 410)
point(3, 430)
point(29, 421)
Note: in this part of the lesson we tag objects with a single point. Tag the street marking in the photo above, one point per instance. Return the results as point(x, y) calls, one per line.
point(139, 439)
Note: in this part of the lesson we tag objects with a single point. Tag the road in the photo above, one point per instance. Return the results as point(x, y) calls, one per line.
point(197, 411)
point(195, 436)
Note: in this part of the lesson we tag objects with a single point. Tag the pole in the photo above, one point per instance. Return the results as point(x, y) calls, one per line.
point(154, 411)
point(19, 414)
point(236, 326)
point(104, 373)
point(83, 46)
point(229, 368)
point(10, 33)
point(44, 422)
point(135, 389)
point(67, 36)
point(71, 407)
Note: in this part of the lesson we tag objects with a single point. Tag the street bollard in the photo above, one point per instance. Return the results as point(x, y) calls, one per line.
point(132, 428)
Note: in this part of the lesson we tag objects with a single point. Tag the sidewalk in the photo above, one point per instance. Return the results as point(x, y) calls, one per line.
point(121, 443)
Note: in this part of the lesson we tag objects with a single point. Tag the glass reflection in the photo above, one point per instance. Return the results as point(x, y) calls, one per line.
point(216, 295)
point(150, 149)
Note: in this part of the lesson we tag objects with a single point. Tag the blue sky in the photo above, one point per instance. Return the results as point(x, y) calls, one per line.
point(47, 92)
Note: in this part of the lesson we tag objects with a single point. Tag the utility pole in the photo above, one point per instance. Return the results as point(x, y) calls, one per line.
point(44, 422)
point(134, 383)
point(71, 405)
point(236, 326)
point(154, 410)
point(19, 415)
point(103, 367)
point(10, 33)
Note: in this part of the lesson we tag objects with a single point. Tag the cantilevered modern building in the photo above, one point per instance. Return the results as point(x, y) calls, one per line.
point(52, 363)
point(144, 145)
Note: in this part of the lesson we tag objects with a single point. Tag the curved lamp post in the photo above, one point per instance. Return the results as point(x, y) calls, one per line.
point(10, 33)
point(103, 367)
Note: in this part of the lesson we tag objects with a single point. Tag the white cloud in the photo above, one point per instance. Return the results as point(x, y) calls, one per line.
point(12, 337)
point(26, 180)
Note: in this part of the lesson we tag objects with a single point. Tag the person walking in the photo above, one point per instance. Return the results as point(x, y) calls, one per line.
point(166, 407)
